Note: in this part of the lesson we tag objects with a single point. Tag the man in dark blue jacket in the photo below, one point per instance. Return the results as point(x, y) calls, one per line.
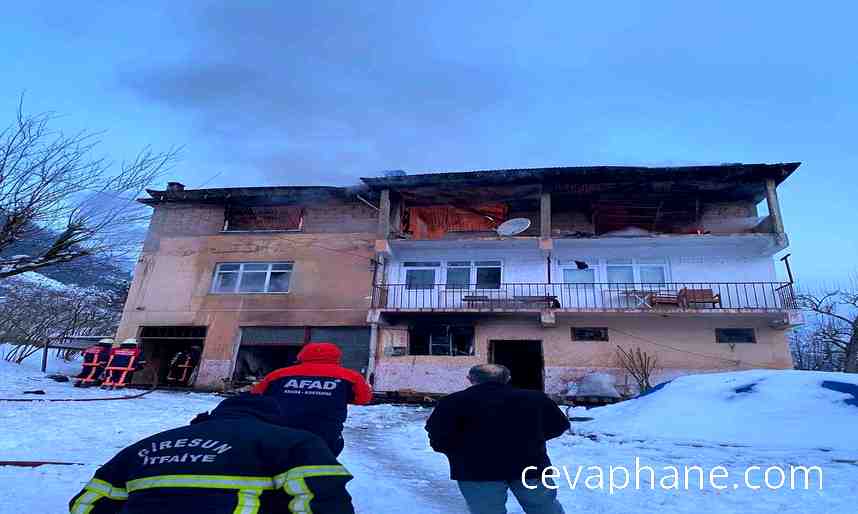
point(491, 433)
point(238, 460)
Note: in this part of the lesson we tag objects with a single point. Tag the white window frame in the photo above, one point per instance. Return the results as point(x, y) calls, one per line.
point(592, 264)
point(240, 272)
point(436, 267)
point(600, 267)
point(472, 274)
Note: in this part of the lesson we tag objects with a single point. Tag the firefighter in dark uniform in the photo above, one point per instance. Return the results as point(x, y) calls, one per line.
point(314, 394)
point(237, 460)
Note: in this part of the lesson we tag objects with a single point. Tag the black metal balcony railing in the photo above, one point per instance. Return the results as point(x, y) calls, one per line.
point(686, 296)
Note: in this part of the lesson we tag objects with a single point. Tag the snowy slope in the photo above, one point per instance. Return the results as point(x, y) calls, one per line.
point(763, 408)
point(396, 471)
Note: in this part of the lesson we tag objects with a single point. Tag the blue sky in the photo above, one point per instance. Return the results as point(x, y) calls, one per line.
point(325, 92)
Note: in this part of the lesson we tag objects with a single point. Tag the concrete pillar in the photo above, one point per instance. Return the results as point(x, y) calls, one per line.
point(774, 206)
point(545, 241)
point(384, 215)
point(374, 340)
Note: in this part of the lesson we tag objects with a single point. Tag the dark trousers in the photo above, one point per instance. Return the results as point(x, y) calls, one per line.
point(490, 497)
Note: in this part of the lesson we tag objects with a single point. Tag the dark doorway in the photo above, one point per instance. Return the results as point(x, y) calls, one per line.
point(524, 360)
point(161, 344)
point(254, 362)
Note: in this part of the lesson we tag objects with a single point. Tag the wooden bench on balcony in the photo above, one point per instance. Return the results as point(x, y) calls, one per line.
point(664, 298)
point(478, 301)
point(691, 297)
point(544, 301)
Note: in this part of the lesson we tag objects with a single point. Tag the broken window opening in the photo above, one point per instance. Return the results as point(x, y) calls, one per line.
point(735, 335)
point(447, 340)
point(434, 222)
point(590, 333)
point(245, 218)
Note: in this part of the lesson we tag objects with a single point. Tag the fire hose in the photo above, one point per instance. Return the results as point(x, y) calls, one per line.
point(102, 399)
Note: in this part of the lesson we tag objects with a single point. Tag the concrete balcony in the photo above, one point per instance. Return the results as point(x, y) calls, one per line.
point(660, 298)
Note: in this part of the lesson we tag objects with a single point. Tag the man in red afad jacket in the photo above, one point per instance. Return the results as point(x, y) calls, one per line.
point(314, 394)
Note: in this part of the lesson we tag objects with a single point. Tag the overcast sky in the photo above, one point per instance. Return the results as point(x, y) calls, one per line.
point(318, 92)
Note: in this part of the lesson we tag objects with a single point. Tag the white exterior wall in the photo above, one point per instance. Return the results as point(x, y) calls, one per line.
point(688, 263)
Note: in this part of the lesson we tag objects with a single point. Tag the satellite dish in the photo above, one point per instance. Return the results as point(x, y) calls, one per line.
point(513, 226)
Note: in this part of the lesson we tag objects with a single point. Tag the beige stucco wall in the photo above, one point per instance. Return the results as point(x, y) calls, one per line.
point(329, 286)
point(681, 344)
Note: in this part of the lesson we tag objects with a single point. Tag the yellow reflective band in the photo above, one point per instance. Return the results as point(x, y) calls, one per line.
point(107, 489)
point(248, 501)
point(293, 482)
point(85, 502)
point(301, 496)
point(200, 481)
point(310, 471)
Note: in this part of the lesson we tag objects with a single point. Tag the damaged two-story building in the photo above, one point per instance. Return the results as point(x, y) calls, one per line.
point(248, 276)
point(676, 261)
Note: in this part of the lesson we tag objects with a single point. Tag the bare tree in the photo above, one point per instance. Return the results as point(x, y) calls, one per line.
point(57, 183)
point(639, 364)
point(836, 327)
point(813, 353)
point(32, 314)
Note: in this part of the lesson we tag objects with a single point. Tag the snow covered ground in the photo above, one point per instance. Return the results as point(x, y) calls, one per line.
point(691, 422)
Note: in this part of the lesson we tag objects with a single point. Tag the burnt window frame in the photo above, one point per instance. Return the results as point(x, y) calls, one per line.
point(576, 339)
point(232, 210)
point(719, 332)
point(450, 332)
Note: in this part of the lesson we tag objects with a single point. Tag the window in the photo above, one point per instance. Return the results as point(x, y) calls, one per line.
point(252, 277)
point(620, 271)
point(735, 335)
point(589, 333)
point(486, 274)
point(580, 272)
point(420, 275)
point(637, 271)
point(458, 274)
point(441, 340)
point(652, 271)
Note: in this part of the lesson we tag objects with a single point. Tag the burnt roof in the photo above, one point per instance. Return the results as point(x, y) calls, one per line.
point(727, 181)
point(267, 195)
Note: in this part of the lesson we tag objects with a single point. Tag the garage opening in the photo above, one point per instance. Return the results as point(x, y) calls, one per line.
point(264, 349)
point(172, 353)
point(524, 360)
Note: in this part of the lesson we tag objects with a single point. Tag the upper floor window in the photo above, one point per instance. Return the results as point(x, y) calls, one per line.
point(636, 271)
point(252, 277)
point(484, 274)
point(580, 272)
point(247, 218)
point(420, 274)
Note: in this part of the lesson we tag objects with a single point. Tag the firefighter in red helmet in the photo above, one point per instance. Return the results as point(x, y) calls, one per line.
point(314, 394)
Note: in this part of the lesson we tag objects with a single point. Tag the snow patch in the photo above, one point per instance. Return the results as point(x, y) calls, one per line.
point(765, 408)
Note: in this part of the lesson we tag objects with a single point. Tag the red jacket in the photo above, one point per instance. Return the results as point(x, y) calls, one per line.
point(321, 360)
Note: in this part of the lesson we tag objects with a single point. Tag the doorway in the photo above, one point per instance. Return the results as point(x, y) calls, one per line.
point(161, 345)
point(524, 360)
point(255, 361)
